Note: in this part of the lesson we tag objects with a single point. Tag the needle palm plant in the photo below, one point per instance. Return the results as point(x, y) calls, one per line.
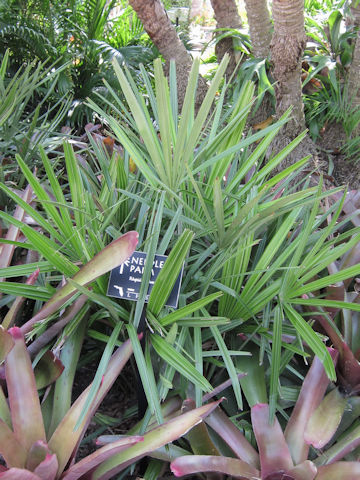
point(264, 244)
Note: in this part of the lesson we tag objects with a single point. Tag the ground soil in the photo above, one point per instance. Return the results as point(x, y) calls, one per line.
point(121, 399)
point(345, 171)
point(117, 404)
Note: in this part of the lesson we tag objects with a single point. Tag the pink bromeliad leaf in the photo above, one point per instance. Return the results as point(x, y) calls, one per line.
point(37, 454)
point(324, 422)
point(110, 257)
point(224, 427)
point(18, 474)
point(65, 439)
point(6, 343)
point(339, 471)
point(190, 464)
point(47, 370)
point(26, 416)
point(274, 452)
point(47, 469)
point(10, 317)
point(13, 452)
point(304, 471)
point(310, 397)
point(7, 250)
point(154, 439)
point(91, 461)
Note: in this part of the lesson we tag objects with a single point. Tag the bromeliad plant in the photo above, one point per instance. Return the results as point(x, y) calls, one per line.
point(297, 453)
point(40, 442)
point(32, 451)
point(75, 315)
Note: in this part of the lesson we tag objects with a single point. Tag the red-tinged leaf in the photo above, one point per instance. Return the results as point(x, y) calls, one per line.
point(351, 204)
point(5, 414)
point(348, 369)
point(110, 257)
point(156, 438)
point(198, 437)
point(190, 464)
point(274, 452)
point(65, 440)
point(312, 392)
point(51, 332)
point(18, 474)
point(91, 461)
point(335, 292)
point(6, 343)
point(304, 471)
point(220, 388)
point(10, 317)
point(24, 402)
point(10, 448)
point(36, 455)
point(7, 250)
point(339, 471)
point(335, 338)
point(279, 475)
point(324, 422)
point(47, 370)
point(224, 427)
point(48, 468)
point(170, 409)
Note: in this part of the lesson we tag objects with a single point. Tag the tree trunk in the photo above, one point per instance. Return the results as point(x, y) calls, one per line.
point(354, 71)
point(164, 36)
point(260, 30)
point(259, 26)
point(287, 48)
point(227, 16)
point(196, 8)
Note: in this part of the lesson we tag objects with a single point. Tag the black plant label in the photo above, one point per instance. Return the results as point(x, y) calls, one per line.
point(126, 279)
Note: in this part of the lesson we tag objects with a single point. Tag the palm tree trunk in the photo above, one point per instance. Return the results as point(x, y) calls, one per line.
point(196, 8)
point(260, 27)
point(354, 71)
point(287, 48)
point(164, 36)
point(227, 16)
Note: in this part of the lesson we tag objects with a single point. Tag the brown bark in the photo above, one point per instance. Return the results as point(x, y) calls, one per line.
point(164, 36)
point(196, 8)
point(260, 30)
point(354, 71)
point(227, 16)
point(287, 48)
point(259, 26)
